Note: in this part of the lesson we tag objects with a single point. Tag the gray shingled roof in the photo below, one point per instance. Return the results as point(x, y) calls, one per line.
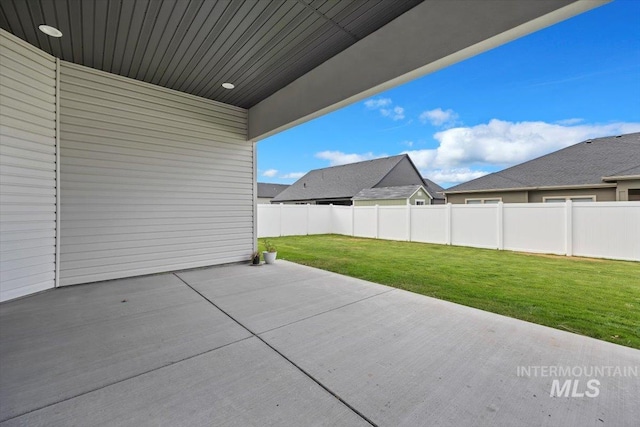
point(267, 190)
point(584, 163)
point(339, 182)
point(632, 171)
point(433, 189)
point(387, 193)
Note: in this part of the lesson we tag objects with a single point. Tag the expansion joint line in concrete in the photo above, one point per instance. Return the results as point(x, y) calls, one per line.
point(295, 365)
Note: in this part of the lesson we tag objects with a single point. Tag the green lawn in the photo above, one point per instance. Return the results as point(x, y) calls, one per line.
point(593, 297)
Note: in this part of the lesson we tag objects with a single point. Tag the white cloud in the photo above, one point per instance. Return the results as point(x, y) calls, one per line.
point(453, 176)
point(270, 173)
point(395, 113)
point(502, 143)
point(407, 143)
point(293, 175)
point(374, 104)
point(339, 158)
point(439, 117)
point(569, 122)
point(386, 108)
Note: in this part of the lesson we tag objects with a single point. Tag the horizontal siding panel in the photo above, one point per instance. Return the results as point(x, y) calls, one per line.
point(38, 251)
point(23, 153)
point(33, 268)
point(155, 145)
point(38, 147)
point(13, 98)
point(18, 120)
point(129, 89)
point(142, 230)
point(92, 275)
point(115, 108)
point(159, 259)
point(29, 80)
point(141, 240)
point(42, 234)
point(23, 51)
point(25, 135)
point(151, 180)
point(25, 66)
point(142, 253)
point(27, 169)
point(27, 90)
point(8, 246)
point(155, 157)
point(84, 133)
point(133, 126)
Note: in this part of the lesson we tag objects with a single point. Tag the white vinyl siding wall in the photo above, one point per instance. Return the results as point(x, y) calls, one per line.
point(152, 180)
point(27, 168)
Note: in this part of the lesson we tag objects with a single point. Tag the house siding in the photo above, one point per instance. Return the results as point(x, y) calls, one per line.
point(152, 180)
point(386, 202)
point(506, 196)
point(602, 194)
point(624, 187)
point(27, 168)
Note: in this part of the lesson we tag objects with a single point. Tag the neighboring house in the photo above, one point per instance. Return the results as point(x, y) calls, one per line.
point(435, 191)
point(389, 196)
point(599, 170)
point(267, 191)
point(339, 185)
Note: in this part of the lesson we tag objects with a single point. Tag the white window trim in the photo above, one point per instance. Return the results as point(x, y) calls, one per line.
point(586, 196)
point(482, 200)
point(424, 203)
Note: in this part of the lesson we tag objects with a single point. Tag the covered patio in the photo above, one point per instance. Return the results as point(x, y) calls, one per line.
point(288, 345)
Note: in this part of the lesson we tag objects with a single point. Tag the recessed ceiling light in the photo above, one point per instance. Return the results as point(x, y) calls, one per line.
point(228, 85)
point(50, 31)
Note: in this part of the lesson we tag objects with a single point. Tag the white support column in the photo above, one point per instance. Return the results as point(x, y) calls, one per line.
point(568, 228)
point(448, 224)
point(500, 219)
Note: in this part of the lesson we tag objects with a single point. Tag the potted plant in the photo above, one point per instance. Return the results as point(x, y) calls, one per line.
point(255, 258)
point(270, 252)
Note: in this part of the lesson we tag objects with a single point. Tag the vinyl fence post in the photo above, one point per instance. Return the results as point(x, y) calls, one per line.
point(331, 218)
point(308, 216)
point(281, 219)
point(569, 228)
point(448, 225)
point(353, 220)
point(377, 221)
point(408, 221)
point(500, 219)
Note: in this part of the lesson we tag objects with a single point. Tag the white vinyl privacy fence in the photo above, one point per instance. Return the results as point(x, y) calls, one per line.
point(598, 229)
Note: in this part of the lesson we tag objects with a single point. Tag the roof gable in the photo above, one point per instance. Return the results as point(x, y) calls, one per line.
point(268, 190)
point(339, 182)
point(388, 193)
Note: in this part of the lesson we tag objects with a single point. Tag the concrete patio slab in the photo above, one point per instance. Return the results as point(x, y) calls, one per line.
point(70, 341)
point(242, 384)
point(236, 279)
point(406, 359)
point(331, 350)
point(297, 297)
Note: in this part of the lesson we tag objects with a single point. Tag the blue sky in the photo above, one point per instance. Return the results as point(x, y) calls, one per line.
point(576, 80)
